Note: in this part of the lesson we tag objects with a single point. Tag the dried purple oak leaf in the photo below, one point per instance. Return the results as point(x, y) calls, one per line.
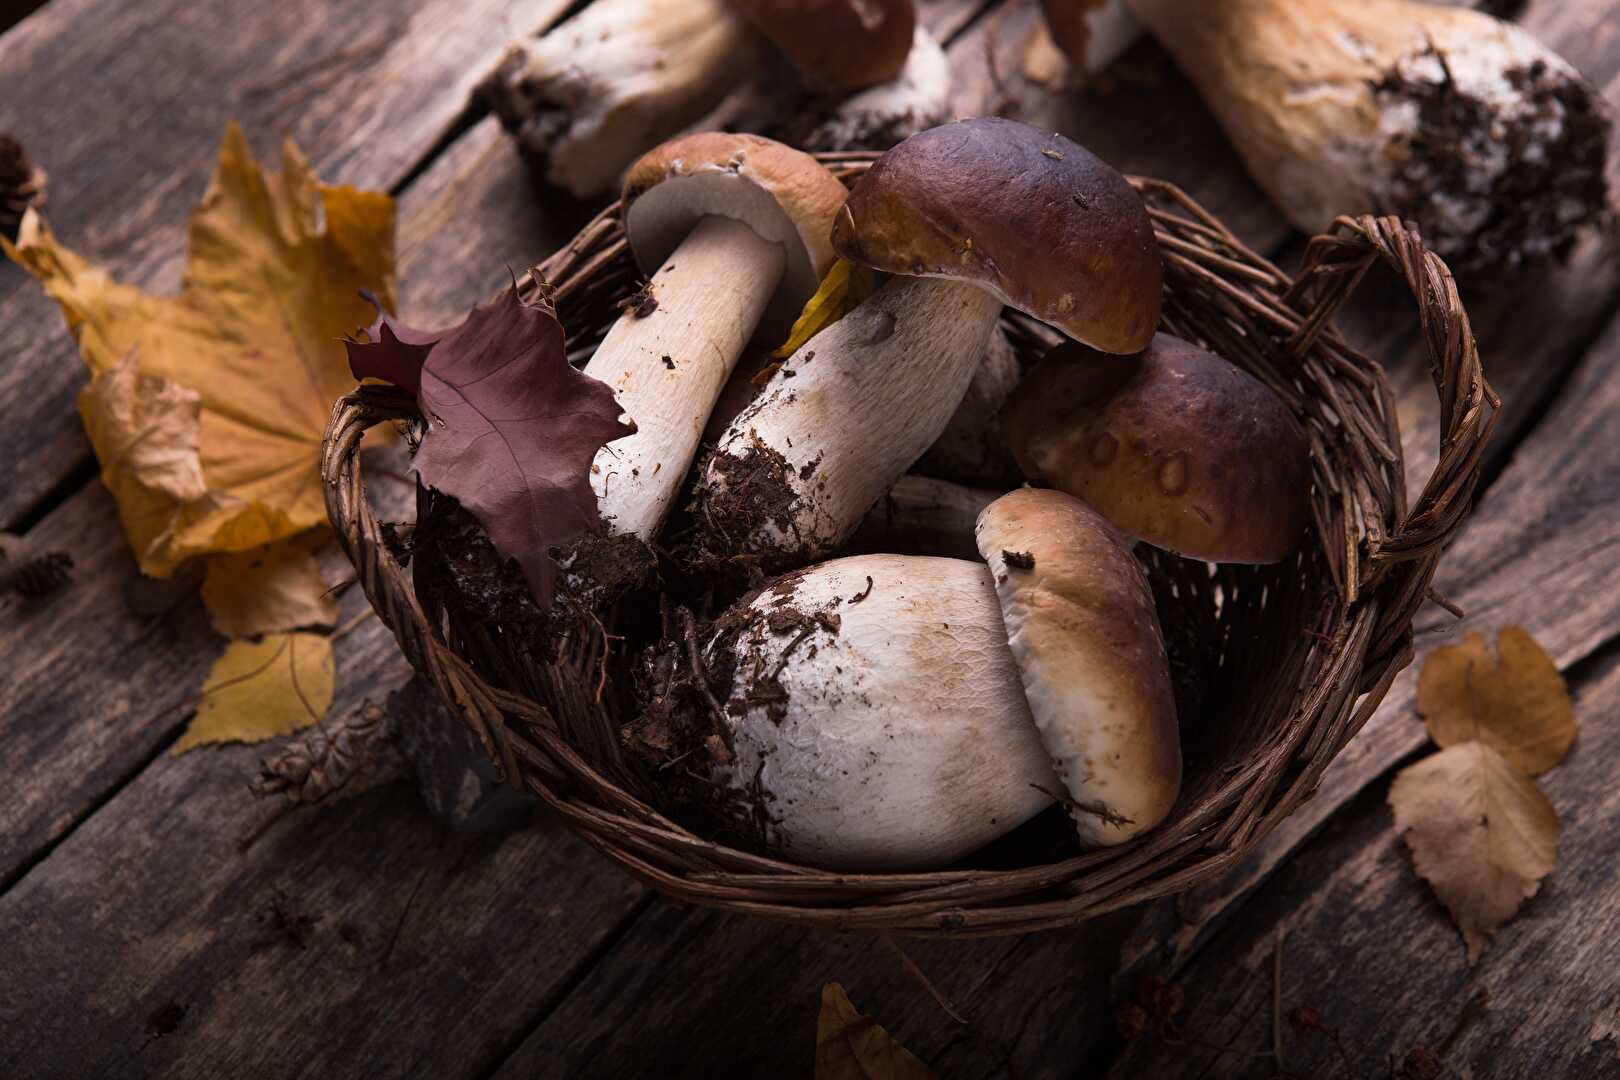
point(390, 351)
point(512, 430)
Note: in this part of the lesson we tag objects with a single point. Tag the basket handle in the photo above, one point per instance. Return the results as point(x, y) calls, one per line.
point(1335, 263)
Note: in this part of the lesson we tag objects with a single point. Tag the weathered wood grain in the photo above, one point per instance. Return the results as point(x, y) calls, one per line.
point(691, 993)
point(1369, 947)
point(426, 953)
point(125, 104)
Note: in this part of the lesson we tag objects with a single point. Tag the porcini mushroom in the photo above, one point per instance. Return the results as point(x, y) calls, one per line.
point(603, 86)
point(876, 118)
point(1089, 33)
point(972, 449)
point(732, 232)
point(1175, 446)
point(876, 714)
point(969, 216)
point(1445, 116)
point(923, 515)
point(587, 96)
point(1082, 626)
point(839, 44)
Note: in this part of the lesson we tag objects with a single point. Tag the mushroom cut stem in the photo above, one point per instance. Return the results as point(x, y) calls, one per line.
point(667, 366)
point(842, 420)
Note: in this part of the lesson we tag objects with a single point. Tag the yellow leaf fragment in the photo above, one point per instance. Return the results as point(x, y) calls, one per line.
point(850, 1046)
point(1518, 704)
point(273, 283)
point(145, 432)
point(261, 689)
point(1481, 832)
point(841, 291)
point(269, 589)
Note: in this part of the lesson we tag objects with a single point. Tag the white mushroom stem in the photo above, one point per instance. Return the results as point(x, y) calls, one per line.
point(594, 92)
point(880, 116)
point(879, 719)
point(667, 367)
point(973, 448)
point(1076, 39)
point(852, 410)
point(924, 516)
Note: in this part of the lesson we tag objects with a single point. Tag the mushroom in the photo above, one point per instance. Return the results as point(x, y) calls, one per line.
point(1448, 117)
point(922, 515)
point(1174, 446)
point(876, 714)
point(839, 44)
point(971, 449)
point(732, 232)
point(622, 75)
point(1082, 626)
point(876, 118)
point(615, 79)
point(1090, 35)
point(968, 216)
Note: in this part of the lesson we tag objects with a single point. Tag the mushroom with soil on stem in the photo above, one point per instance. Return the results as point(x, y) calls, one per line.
point(590, 94)
point(968, 217)
point(875, 714)
point(891, 712)
point(1458, 121)
point(732, 232)
point(1082, 626)
point(1175, 446)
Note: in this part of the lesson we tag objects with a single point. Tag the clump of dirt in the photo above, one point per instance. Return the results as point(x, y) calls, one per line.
point(755, 493)
point(1494, 185)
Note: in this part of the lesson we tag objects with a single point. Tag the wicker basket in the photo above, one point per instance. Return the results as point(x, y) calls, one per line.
point(1297, 655)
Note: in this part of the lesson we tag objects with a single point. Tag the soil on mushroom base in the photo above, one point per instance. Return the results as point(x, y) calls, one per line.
point(1477, 217)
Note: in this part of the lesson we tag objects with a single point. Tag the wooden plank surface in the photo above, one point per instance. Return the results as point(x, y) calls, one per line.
point(677, 983)
point(125, 106)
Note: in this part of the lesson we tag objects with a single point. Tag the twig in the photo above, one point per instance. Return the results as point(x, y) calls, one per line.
point(917, 973)
point(700, 674)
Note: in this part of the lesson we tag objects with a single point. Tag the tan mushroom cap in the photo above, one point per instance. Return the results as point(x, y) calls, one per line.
point(783, 194)
point(1174, 446)
point(1083, 628)
point(1040, 222)
point(842, 44)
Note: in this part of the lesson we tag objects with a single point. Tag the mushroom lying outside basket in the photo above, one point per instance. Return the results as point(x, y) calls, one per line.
point(1288, 659)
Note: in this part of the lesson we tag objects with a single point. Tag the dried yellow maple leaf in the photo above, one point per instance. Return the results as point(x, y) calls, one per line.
point(1481, 833)
point(269, 589)
point(850, 1046)
point(1518, 705)
point(260, 689)
point(841, 291)
point(243, 365)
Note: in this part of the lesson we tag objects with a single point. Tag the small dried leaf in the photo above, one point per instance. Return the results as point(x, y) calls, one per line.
point(512, 431)
point(276, 269)
point(841, 291)
point(260, 689)
point(850, 1046)
point(274, 588)
point(1518, 705)
point(390, 351)
point(1481, 833)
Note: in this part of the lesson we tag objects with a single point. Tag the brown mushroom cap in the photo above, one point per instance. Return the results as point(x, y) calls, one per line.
point(783, 194)
point(1174, 446)
point(1037, 220)
point(1083, 628)
point(842, 44)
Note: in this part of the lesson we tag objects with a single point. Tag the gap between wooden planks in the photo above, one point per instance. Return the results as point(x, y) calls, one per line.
point(483, 150)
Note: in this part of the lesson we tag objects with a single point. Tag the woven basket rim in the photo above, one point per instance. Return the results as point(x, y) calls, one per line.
point(1380, 576)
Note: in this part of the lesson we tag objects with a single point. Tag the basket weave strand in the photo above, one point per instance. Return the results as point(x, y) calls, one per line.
point(1299, 654)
